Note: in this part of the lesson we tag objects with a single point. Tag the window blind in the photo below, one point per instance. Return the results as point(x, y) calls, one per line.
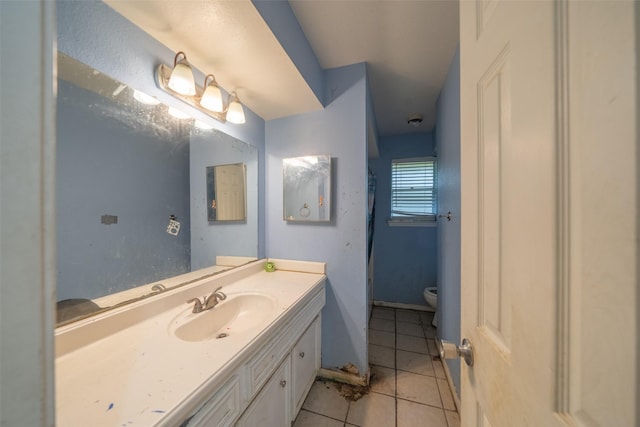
point(413, 188)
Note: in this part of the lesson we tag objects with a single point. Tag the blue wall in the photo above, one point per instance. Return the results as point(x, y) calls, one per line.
point(448, 144)
point(140, 176)
point(339, 131)
point(405, 257)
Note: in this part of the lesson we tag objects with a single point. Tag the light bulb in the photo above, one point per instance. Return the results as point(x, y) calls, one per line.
point(235, 113)
point(212, 96)
point(181, 79)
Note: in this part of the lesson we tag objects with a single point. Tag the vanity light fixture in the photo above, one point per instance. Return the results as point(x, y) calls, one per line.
point(207, 99)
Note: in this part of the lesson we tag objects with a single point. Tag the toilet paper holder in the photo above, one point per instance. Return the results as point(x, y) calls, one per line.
point(449, 350)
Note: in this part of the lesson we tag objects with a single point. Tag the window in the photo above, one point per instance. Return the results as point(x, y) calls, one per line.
point(413, 190)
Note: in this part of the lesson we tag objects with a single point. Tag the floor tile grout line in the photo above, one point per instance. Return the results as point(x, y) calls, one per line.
point(381, 317)
point(414, 352)
point(419, 403)
point(381, 330)
point(415, 336)
point(440, 396)
point(323, 415)
point(346, 416)
point(382, 345)
point(395, 370)
point(418, 373)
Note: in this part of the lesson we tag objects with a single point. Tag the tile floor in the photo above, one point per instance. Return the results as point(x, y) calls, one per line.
point(408, 383)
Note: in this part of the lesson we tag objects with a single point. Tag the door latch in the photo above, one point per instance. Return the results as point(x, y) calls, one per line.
point(449, 350)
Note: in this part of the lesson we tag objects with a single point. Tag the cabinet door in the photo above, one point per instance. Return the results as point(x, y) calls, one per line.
point(271, 407)
point(222, 408)
point(305, 362)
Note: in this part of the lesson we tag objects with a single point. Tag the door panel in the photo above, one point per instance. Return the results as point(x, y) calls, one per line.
point(507, 170)
point(600, 355)
point(493, 127)
point(549, 108)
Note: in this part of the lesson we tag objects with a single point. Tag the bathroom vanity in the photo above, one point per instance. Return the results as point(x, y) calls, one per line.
point(249, 361)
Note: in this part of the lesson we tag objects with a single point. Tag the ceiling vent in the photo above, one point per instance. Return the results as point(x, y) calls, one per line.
point(415, 120)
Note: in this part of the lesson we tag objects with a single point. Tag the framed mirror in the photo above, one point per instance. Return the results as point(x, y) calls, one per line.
point(131, 195)
point(307, 188)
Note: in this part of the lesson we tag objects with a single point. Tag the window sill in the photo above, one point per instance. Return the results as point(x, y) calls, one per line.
point(412, 223)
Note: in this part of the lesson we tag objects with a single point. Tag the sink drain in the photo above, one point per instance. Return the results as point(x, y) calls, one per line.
point(222, 335)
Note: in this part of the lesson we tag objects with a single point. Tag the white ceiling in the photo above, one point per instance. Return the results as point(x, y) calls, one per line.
point(230, 40)
point(408, 46)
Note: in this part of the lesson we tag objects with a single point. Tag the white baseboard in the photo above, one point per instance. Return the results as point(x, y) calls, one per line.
point(403, 306)
point(344, 377)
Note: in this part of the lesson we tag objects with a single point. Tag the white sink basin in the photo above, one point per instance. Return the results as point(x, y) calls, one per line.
point(238, 313)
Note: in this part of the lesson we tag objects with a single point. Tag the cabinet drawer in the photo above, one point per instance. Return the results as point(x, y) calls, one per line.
point(223, 408)
point(305, 361)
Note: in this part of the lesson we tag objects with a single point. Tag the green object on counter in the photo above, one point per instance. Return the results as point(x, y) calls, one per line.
point(270, 267)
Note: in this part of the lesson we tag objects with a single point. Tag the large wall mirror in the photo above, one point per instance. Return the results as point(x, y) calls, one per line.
point(131, 200)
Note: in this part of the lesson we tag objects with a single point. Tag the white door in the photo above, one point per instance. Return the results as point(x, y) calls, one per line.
point(230, 192)
point(549, 152)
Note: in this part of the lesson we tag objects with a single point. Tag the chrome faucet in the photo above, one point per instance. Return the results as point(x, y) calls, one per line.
point(209, 302)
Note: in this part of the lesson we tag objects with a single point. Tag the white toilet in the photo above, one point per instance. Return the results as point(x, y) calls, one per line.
point(431, 297)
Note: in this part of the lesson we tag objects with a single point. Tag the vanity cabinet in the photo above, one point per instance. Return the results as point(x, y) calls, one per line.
point(254, 374)
point(268, 389)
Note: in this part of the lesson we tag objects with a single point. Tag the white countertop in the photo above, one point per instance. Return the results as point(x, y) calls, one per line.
point(138, 374)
